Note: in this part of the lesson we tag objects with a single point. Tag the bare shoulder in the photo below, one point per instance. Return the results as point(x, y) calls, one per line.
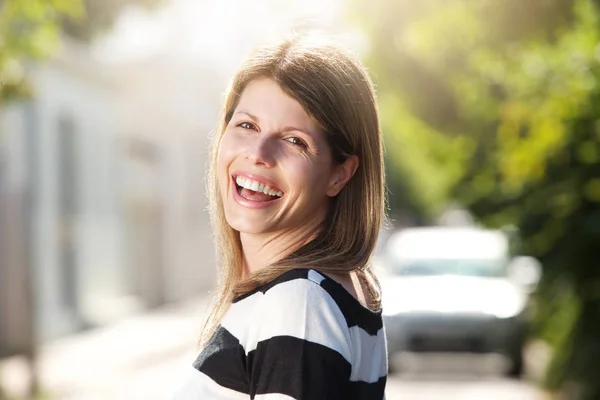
point(351, 282)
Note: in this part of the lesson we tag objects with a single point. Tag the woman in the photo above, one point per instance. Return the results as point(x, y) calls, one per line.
point(297, 200)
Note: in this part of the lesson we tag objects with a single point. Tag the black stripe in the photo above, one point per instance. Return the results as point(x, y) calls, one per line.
point(354, 313)
point(299, 369)
point(364, 390)
point(289, 365)
point(224, 361)
point(296, 273)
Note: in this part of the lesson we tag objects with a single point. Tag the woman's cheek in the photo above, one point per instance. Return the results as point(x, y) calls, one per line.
point(223, 164)
point(227, 150)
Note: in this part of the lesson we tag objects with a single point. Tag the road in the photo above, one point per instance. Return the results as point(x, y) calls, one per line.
point(456, 377)
point(448, 388)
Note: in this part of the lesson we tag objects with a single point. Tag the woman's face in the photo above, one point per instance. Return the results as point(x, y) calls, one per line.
point(275, 166)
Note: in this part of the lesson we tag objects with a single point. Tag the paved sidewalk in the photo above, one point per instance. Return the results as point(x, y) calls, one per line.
point(103, 363)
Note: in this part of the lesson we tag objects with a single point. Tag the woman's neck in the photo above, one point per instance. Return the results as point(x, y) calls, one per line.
point(262, 250)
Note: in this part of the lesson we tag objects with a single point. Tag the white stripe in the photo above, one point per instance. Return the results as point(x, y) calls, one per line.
point(273, 396)
point(240, 316)
point(197, 385)
point(371, 348)
point(315, 276)
point(297, 308)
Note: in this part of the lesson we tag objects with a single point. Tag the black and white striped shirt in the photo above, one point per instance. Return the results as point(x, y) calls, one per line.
point(301, 336)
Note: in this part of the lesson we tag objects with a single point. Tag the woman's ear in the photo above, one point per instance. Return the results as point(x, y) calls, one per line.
point(341, 175)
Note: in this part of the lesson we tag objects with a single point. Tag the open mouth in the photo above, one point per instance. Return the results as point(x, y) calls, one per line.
point(253, 190)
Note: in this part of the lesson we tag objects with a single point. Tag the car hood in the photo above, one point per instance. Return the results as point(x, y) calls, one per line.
point(452, 294)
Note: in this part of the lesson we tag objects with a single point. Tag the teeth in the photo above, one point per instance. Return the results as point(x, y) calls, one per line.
point(257, 186)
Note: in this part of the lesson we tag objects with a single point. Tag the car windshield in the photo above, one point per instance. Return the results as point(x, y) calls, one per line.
point(463, 267)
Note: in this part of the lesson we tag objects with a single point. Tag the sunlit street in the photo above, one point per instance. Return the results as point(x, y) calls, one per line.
point(458, 170)
point(456, 377)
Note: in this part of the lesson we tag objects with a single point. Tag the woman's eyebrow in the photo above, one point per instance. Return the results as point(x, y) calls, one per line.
point(252, 116)
point(302, 130)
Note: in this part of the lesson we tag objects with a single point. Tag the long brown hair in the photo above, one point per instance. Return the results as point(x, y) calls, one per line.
point(335, 89)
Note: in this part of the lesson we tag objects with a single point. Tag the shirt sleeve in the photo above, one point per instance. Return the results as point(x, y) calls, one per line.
point(299, 345)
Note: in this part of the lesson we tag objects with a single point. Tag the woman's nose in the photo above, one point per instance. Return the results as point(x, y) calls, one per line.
point(261, 151)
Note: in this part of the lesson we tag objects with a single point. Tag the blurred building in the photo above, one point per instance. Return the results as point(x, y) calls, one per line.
point(102, 191)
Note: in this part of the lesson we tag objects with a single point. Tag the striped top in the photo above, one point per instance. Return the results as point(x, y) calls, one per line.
point(301, 336)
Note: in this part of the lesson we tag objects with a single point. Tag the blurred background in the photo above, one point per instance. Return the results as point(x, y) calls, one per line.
point(491, 116)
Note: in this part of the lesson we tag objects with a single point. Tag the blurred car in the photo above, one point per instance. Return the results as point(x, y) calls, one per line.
point(451, 289)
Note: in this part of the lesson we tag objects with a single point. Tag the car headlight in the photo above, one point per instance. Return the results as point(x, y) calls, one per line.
point(505, 307)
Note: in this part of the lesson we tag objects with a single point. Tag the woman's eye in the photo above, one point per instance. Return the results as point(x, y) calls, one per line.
point(246, 125)
point(296, 141)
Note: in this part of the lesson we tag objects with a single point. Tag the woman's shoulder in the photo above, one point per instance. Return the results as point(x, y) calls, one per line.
point(298, 296)
point(298, 278)
point(307, 291)
point(297, 292)
point(297, 287)
point(295, 307)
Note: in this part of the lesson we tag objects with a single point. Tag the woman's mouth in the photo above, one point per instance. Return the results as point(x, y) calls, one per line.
point(253, 190)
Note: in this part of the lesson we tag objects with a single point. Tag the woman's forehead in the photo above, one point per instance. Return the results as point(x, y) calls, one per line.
point(265, 101)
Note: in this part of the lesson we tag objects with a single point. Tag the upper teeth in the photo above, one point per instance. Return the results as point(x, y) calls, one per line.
point(257, 186)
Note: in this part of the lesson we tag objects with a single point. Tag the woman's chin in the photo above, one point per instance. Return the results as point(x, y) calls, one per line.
point(249, 225)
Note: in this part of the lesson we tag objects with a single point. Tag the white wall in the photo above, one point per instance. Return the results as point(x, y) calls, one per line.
point(172, 107)
point(65, 93)
point(175, 106)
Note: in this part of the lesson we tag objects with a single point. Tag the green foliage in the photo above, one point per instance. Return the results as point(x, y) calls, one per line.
point(28, 29)
point(497, 104)
point(558, 315)
point(421, 153)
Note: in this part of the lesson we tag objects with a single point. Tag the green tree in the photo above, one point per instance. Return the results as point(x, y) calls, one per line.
point(497, 104)
point(29, 29)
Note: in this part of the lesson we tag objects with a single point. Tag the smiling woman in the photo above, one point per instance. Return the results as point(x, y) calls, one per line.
point(276, 145)
point(296, 192)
